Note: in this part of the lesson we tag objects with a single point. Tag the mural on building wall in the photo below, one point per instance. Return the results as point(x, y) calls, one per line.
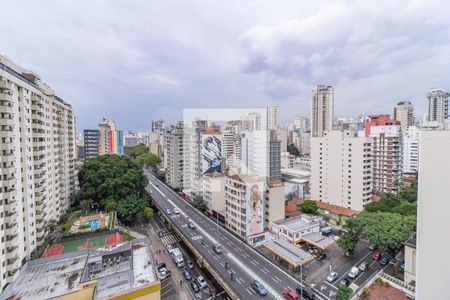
point(211, 153)
point(255, 208)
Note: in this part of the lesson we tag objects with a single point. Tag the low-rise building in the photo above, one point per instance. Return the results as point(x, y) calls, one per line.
point(292, 229)
point(213, 185)
point(287, 160)
point(121, 271)
point(410, 261)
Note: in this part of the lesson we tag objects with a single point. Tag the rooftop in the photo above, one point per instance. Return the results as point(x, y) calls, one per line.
point(292, 206)
point(116, 269)
point(298, 222)
point(289, 252)
point(318, 240)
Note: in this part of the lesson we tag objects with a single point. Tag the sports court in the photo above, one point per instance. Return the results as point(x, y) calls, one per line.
point(83, 243)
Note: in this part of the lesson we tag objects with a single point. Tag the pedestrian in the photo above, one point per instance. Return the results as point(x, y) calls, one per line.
point(181, 282)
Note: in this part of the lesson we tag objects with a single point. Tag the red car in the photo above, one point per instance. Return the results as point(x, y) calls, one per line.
point(376, 255)
point(290, 295)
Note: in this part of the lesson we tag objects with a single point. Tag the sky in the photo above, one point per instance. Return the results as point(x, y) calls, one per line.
point(134, 61)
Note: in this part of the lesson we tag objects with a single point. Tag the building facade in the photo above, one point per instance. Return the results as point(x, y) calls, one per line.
point(404, 113)
point(174, 153)
point(110, 139)
point(157, 125)
point(91, 141)
point(272, 117)
point(37, 143)
point(341, 169)
point(322, 110)
point(437, 106)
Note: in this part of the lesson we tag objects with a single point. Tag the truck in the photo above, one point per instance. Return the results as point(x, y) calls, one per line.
point(178, 257)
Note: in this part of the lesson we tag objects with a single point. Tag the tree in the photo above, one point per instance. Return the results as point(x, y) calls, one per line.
point(199, 204)
point(148, 213)
point(406, 209)
point(344, 293)
point(111, 177)
point(110, 205)
point(86, 205)
point(384, 229)
point(293, 150)
point(148, 159)
point(348, 242)
point(408, 194)
point(161, 176)
point(308, 207)
point(134, 152)
point(129, 207)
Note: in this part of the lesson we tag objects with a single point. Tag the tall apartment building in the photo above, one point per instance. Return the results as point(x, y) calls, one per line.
point(404, 113)
point(91, 141)
point(410, 155)
point(272, 117)
point(157, 125)
point(432, 272)
point(37, 146)
point(252, 203)
point(386, 153)
point(274, 156)
point(110, 139)
point(302, 124)
point(231, 148)
point(255, 153)
point(322, 110)
point(341, 169)
point(437, 106)
point(174, 153)
point(250, 121)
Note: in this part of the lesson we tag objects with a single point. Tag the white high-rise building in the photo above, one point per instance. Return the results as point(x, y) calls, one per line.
point(231, 148)
point(157, 125)
point(255, 153)
point(404, 113)
point(272, 117)
point(174, 153)
point(341, 171)
point(322, 110)
point(302, 124)
point(411, 147)
point(250, 121)
point(432, 271)
point(438, 106)
point(37, 146)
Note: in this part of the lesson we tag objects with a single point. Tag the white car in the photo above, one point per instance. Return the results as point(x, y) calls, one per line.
point(332, 276)
point(201, 282)
point(353, 273)
point(176, 211)
point(170, 249)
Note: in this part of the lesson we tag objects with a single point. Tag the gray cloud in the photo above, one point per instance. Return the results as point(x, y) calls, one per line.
point(134, 61)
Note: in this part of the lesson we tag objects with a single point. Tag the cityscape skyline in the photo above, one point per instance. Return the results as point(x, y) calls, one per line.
point(247, 63)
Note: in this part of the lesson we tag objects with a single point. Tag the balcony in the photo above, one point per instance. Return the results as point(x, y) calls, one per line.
point(7, 97)
point(4, 85)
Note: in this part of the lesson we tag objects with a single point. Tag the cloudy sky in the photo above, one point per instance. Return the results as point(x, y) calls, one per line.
point(138, 60)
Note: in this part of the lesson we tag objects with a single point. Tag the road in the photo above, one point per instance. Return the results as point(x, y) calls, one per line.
point(245, 262)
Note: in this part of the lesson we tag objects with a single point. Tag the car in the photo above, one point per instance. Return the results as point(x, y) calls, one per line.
point(170, 249)
point(157, 184)
point(191, 225)
point(190, 264)
point(163, 273)
point(151, 192)
point(321, 256)
point(259, 287)
point(373, 247)
point(201, 282)
point(160, 266)
point(162, 233)
point(195, 287)
point(176, 211)
point(187, 274)
point(363, 266)
point(290, 295)
point(353, 273)
point(216, 248)
point(169, 212)
point(344, 282)
point(376, 255)
point(306, 292)
point(332, 276)
point(402, 265)
point(384, 261)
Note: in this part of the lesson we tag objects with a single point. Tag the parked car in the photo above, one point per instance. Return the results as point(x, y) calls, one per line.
point(216, 248)
point(259, 288)
point(190, 264)
point(195, 286)
point(332, 276)
point(170, 249)
point(344, 282)
point(160, 266)
point(290, 295)
point(162, 233)
point(321, 256)
point(327, 231)
point(176, 211)
point(384, 261)
point(187, 274)
point(191, 225)
point(353, 273)
point(363, 266)
point(376, 255)
point(169, 212)
point(306, 292)
point(201, 282)
point(373, 247)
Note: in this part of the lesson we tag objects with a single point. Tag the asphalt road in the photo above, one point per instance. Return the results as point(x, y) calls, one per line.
point(244, 261)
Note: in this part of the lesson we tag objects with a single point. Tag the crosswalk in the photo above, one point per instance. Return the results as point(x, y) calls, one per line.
point(170, 239)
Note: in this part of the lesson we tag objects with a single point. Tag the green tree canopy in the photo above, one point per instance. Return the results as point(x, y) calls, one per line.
point(148, 159)
point(86, 205)
point(293, 150)
point(111, 177)
point(148, 213)
point(129, 207)
point(134, 152)
point(200, 204)
point(348, 242)
point(308, 207)
point(384, 229)
point(344, 293)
